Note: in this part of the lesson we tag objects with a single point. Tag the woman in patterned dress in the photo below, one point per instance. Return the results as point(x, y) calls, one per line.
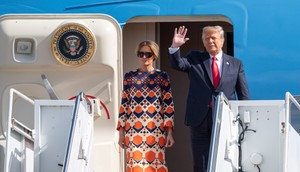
point(146, 117)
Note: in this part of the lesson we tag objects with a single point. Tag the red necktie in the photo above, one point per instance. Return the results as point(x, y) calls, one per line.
point(215, 72)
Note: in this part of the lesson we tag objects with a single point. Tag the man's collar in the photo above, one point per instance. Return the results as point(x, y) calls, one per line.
point(218, 56)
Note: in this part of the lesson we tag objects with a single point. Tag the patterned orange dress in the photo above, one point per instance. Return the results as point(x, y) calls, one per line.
point(147, 109)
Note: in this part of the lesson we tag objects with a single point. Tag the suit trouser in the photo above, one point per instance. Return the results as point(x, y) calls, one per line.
point(200, 140)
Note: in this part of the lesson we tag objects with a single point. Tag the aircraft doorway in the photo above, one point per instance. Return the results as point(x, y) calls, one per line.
point(179, 157)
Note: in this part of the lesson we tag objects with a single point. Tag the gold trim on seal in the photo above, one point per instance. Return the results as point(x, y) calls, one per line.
point(73, 44)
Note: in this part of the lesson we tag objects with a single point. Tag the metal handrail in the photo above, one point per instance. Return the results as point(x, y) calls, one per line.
point(288, 98)
point(13, 91)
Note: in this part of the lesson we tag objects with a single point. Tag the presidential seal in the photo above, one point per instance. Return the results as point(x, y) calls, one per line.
point(73, 44)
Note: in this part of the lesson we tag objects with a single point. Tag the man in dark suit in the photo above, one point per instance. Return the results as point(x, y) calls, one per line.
point(204, 84)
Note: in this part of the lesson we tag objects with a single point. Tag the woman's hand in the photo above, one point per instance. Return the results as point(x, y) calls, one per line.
point(122, 138)
point(170, 140)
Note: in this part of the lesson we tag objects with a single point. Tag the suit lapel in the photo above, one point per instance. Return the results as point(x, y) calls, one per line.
point(206, 62)
point(225, 67)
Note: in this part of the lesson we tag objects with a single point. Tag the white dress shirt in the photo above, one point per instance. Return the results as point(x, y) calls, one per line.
point(218, 61)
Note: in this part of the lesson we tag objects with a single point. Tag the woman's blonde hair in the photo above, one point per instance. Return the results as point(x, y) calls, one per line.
point(151, 44)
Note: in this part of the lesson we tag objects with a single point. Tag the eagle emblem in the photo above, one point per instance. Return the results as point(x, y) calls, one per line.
point(72, 43)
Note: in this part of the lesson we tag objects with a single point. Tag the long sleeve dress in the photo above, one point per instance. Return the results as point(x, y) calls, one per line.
point(147, 109)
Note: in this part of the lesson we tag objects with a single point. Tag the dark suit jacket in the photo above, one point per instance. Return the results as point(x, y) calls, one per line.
point(201, 91)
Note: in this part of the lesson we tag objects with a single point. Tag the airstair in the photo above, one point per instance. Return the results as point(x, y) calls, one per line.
point(256, 135)
point(62, 138)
